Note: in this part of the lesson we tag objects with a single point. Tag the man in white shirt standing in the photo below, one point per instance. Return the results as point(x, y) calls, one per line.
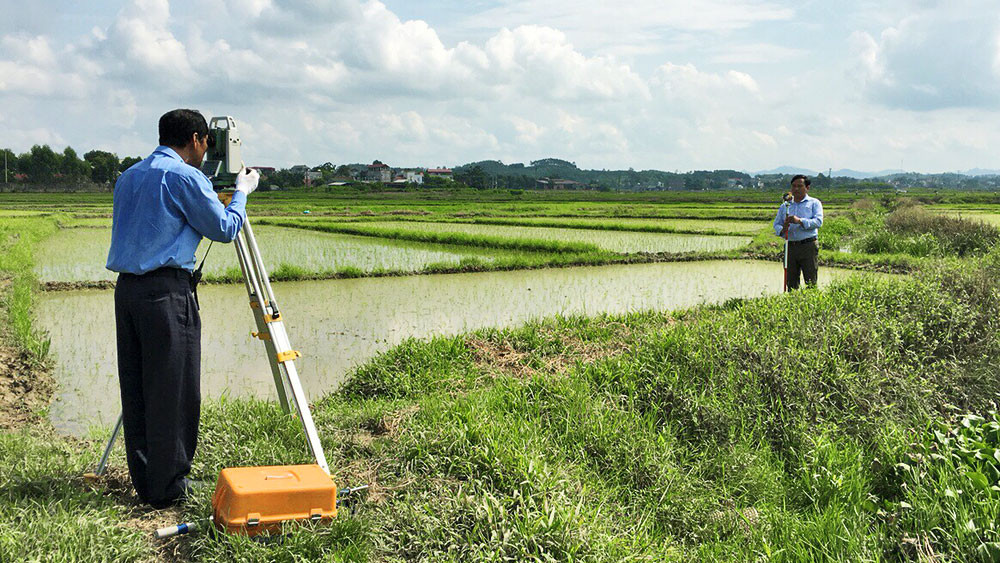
point(802, 220)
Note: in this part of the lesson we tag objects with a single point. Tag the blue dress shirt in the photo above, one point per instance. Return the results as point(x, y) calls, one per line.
point(810, 210)
point(162, 209)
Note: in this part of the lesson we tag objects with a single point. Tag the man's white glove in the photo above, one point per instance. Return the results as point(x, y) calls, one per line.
point(246, 181)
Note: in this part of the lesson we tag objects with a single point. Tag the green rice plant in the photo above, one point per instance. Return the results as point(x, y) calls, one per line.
point(523, 244)
point(290, 272)
point(18, 237)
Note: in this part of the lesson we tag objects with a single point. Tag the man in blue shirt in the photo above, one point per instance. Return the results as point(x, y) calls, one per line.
point(802, 220)
point(163, 206)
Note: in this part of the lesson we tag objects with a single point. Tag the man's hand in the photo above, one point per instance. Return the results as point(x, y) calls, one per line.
point(246, 181)
point(792, 219)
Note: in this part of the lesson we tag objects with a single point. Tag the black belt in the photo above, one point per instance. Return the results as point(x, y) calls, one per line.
point(803, 241)
point(175, 273)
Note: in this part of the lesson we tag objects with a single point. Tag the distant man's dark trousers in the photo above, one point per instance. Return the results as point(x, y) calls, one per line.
point(803, 256)
point(159, 355)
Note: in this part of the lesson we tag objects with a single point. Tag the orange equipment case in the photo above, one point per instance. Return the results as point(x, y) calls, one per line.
point(256, 500)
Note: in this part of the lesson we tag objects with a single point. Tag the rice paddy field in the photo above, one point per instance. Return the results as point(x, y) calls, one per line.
point(551, 376)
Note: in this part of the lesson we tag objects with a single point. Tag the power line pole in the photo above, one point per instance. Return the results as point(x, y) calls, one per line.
point(5, 166)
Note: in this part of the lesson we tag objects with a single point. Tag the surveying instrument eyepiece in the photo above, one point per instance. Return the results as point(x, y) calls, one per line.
point(224, 158)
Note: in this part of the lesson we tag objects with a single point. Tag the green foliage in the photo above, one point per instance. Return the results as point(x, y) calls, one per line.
point(128, 162)
point(47, 514)
point(103, 166)
point(17, 239)
point(40, 164)
point(948, 488)
point(706, 439)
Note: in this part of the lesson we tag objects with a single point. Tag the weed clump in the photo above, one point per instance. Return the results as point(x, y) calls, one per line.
point(913, 230)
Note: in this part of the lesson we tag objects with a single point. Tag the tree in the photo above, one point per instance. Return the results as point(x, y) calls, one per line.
point(71, 167)
point(127, 163)
point(327, 169)
point(40, 164)
point(9, 160)
point(474, 178)
point(103, 166)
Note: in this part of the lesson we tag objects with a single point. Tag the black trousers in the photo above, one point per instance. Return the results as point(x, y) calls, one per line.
point(159, 371)
point(803, 257)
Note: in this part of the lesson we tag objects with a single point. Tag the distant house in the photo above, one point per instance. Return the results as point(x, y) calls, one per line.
point(414, 176)
point(338, 181)
point(440, 172)
point(558, 184)
point(378, 172)
point(299, 169)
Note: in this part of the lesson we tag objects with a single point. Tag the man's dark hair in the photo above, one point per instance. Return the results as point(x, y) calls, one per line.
point(795, 177)
point(177, 126)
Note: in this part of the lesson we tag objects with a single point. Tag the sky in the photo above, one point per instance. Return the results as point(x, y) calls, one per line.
point(648, 84)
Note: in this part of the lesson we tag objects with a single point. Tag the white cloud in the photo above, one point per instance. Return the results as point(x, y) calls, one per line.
point(310, 81)
point(141, 46)
point(936, 58)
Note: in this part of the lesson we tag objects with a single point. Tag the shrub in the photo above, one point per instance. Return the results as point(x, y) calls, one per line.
point(955, 235)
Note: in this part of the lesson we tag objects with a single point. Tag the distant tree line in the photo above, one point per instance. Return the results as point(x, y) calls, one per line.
point(42, 165)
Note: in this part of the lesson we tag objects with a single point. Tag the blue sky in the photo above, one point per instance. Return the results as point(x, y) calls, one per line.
point(665, 84)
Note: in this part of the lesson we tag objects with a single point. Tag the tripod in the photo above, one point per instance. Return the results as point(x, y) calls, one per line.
point(271, 331)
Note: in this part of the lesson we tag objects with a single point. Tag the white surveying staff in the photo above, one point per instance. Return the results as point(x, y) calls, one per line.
point(787, 204)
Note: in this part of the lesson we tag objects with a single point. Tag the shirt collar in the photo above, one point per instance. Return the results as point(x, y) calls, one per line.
point(168, 152)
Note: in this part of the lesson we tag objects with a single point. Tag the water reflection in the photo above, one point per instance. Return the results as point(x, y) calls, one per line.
point(338, 324)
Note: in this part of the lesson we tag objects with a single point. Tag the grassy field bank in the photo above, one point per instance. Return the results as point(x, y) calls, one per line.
point(851, 424)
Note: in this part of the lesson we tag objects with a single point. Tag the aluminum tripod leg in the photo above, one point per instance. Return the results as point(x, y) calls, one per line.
point(271, 329)
point(103, 464)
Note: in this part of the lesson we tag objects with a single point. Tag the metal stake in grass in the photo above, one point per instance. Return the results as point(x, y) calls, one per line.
point(787, 204)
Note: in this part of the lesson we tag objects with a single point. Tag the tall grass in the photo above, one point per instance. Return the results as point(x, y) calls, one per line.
point(17, 238)
point(758, 429)
point(916, 231)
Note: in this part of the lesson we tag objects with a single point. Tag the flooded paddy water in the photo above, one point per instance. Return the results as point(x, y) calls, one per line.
point(80, 254)
point(615, 241)
point(339, 324)
point(732, 226)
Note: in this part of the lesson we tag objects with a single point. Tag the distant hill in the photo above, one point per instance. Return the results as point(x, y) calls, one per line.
point(848, 173)
point(981, 172)
point(841, 173)
point(786, 170)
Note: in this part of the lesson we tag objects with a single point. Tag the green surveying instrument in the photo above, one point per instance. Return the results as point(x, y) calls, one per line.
point(224, 159)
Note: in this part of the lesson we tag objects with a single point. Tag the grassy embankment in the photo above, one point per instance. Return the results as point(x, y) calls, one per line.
point(722, 433)
point(45, 513)
point(816, 426)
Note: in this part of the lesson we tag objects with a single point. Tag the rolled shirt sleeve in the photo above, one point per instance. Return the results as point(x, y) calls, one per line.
point(816, 221)
point(202, 209)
